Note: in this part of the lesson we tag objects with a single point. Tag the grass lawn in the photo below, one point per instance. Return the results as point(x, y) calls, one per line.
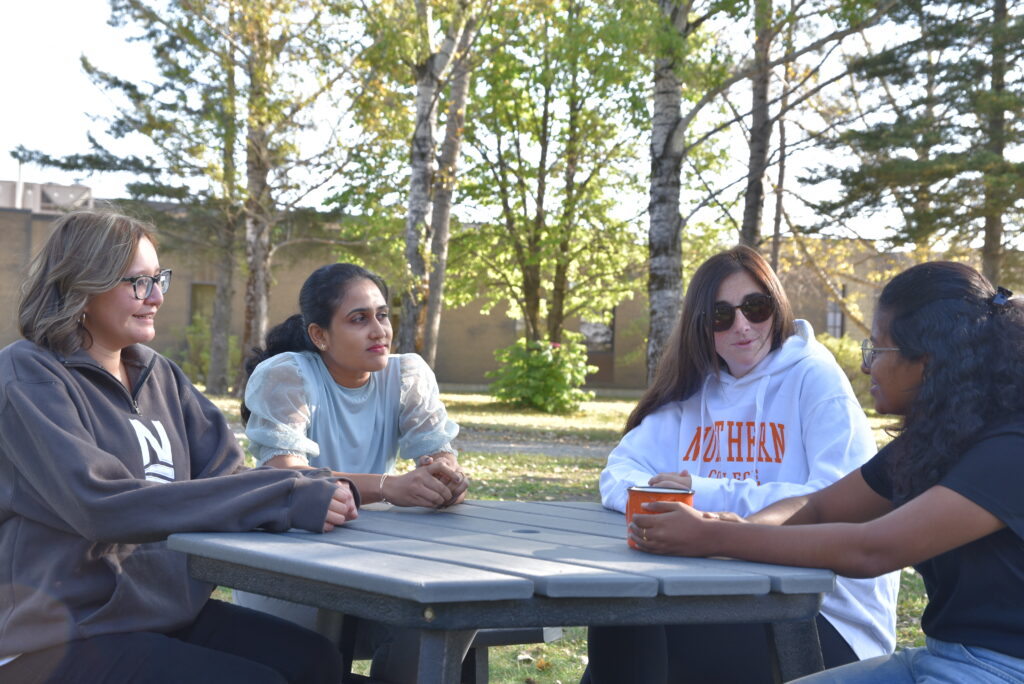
point(540, 477)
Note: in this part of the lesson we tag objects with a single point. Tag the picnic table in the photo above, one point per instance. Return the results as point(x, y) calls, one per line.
point(484, 564)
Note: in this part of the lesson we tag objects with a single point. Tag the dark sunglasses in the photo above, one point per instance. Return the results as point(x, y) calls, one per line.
point(756, 308)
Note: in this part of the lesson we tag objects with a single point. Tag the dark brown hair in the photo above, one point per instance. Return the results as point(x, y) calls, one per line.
point(689, 355)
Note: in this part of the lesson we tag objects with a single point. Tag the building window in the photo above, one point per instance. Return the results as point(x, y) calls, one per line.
point(835, 321)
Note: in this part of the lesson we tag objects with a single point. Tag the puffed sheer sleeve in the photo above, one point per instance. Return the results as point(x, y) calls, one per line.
point(277, 397)
point(423, 423)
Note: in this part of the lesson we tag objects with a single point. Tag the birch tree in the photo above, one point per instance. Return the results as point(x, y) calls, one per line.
point(433, 42)
point(704, 82)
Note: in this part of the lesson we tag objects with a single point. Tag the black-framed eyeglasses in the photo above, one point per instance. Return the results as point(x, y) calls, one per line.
point(868, 352)
point(142, 285)
point(757, 307)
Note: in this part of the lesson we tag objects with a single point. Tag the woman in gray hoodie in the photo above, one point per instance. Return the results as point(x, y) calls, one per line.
point(106, 448)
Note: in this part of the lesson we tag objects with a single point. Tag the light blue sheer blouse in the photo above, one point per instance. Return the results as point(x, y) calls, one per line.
point(297, 408)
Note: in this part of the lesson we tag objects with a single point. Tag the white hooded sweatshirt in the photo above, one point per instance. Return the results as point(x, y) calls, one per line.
point(790, 426)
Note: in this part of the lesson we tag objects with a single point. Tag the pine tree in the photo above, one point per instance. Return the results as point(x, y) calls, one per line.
point(940, 116)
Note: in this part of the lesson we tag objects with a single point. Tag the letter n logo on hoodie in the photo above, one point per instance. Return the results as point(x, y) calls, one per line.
point(157, 460)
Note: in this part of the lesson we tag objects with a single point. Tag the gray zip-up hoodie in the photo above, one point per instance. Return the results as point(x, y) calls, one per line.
point(93, 478)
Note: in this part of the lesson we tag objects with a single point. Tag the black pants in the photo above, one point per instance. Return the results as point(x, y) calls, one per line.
point(694, 654)
point(225, 644)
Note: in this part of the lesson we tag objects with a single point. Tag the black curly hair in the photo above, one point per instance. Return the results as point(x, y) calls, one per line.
point(972, 343)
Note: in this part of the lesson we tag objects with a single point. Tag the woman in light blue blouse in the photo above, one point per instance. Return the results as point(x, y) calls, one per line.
point(327, 393)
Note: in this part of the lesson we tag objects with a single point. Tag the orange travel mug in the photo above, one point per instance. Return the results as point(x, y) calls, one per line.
point(638, 496)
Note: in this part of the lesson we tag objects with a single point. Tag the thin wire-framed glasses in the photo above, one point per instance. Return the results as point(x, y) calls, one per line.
point(757, 307)
point(142, 285)
point(867, 352)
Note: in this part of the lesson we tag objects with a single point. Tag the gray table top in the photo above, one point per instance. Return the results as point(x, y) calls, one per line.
point(494, 551)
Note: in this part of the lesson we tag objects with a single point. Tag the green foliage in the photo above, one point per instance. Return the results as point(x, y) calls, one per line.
point(847, 353)
point(937, 131)
point(543, 375)
point(195, 358)
point(552, 145)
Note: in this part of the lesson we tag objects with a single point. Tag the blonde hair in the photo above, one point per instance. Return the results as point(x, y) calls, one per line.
point(86, 254)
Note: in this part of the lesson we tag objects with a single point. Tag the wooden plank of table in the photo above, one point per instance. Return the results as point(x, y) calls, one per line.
point(579, 510)
point(610, 527)
point(550, 577)
point(306, 556)
point(675, 576)
point(442, 518)
point(785, 579)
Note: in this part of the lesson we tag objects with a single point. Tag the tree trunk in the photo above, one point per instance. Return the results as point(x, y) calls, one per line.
point(992, 249)
point(429, 73)
point(663, 243)
point(567, 221)
point(781, 185)
point(258, 203)
point(531, 266)
point(218, 375)
point(444, 188)
point(760, 128)
point(416, 219)
point(257, 240)
point(777, 222)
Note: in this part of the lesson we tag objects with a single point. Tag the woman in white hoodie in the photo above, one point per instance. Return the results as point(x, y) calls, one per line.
point(746, 408)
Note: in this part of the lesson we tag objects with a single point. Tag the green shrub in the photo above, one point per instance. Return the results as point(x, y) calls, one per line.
point(543, 375)
point(847, 353)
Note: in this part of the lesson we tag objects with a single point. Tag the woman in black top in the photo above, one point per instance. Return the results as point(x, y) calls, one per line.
point(947, 354)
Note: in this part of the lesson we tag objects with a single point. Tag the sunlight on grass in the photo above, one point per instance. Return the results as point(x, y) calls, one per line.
point(597, 421)
point(531, 477)
point(229, 406)
point(879, 425)
point(561, 661)
point(909, 606)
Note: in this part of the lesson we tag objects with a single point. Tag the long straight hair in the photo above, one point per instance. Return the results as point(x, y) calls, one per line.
point(689, 355)
point(86, 254)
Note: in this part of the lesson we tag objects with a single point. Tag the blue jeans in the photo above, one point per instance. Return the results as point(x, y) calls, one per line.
point(938, 662)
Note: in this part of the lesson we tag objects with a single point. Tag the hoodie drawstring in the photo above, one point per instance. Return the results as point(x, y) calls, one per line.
point(759, 427)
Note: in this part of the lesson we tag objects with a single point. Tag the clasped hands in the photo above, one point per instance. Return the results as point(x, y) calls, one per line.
point(436, 482)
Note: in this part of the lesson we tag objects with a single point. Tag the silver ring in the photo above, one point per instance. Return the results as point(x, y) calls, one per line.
point(643, 533)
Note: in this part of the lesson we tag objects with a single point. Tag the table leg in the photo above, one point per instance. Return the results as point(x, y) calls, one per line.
point(795, 648)
point(441, 654)
point(331, 623)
